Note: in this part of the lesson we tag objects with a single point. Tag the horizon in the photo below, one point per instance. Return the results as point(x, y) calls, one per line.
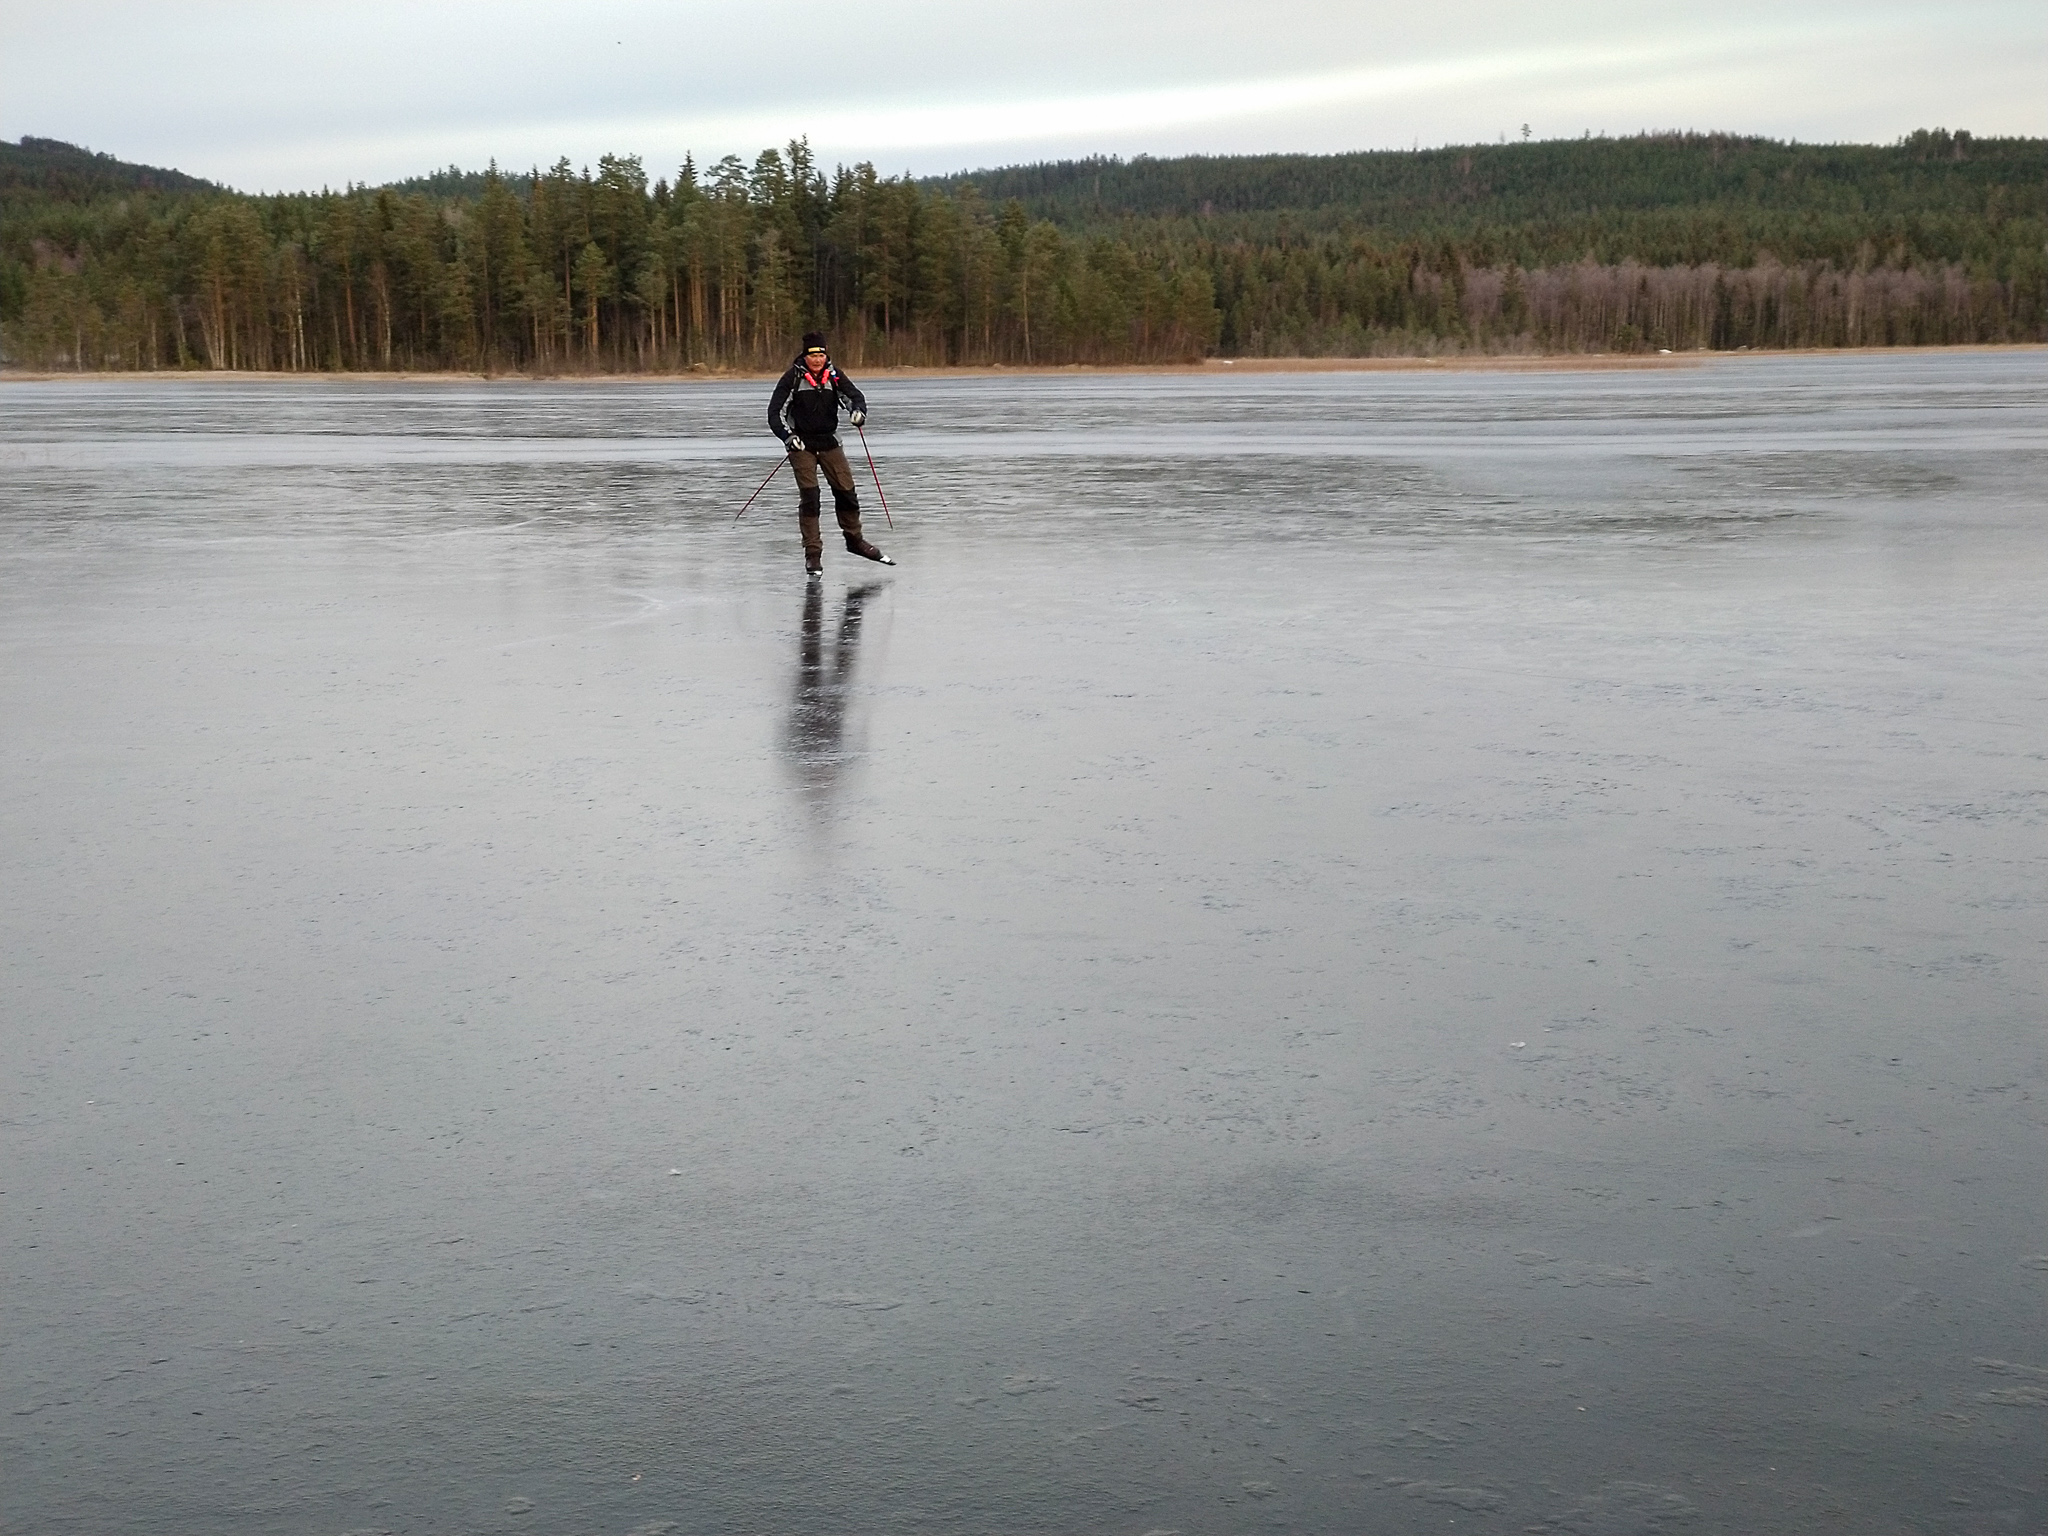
point(927, 92)
point(700, 162)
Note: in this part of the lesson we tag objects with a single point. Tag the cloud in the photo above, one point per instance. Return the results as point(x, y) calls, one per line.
point(293, 97)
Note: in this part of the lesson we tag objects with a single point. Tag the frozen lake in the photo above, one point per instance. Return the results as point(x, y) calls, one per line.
point(1386, 953)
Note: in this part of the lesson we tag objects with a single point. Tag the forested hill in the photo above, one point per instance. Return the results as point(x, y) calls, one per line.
point(1423, 193)
point(50, 168)
point(1660, 199)
point(1661, 241)
point(456, 184)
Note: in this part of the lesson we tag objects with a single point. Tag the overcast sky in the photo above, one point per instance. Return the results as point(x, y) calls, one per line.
point(280, 96)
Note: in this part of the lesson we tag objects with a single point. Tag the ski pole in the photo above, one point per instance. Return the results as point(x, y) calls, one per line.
point(760, 488)
point(864, 448)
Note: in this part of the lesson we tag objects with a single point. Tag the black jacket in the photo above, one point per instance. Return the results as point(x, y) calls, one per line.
point(809, 406)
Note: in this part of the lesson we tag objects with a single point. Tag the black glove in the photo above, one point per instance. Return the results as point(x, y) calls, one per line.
point(858, 418)
point(794, 443)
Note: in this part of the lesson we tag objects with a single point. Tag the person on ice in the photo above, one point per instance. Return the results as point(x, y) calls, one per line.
point(804, 413)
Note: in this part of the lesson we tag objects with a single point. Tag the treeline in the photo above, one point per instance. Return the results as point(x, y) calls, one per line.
point(1348, 299)
point(569, 270)
point(104, 265)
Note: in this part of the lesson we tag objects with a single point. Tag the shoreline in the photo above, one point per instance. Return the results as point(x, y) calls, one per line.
point(1553, 362)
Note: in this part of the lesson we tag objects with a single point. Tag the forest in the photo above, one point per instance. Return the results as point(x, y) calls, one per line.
point(1661, 241)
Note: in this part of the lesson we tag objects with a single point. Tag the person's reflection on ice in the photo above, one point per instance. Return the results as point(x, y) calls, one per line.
point(816, 741)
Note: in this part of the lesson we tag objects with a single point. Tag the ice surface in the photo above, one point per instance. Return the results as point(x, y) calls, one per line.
point(1329, 952)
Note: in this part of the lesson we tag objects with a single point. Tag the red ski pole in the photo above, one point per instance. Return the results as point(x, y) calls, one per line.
point(762, 487)
point(871, 471)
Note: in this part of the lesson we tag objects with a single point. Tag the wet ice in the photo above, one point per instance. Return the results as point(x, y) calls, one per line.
point(1328, 951)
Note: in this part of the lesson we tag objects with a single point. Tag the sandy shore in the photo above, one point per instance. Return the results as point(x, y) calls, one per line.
point(1562, 362)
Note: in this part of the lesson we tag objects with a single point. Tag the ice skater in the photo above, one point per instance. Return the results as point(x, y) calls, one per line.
point(804, 413)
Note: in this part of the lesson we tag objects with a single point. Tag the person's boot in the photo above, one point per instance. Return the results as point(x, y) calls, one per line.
point(849, 524)
point(814, 543)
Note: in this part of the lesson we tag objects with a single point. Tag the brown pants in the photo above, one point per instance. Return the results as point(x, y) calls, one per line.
point(845, 501)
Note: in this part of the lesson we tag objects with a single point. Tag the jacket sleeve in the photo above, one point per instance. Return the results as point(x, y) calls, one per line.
point(778, 407)
point(850, 393)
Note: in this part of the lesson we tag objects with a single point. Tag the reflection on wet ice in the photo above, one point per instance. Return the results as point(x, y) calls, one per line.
point(816, 740)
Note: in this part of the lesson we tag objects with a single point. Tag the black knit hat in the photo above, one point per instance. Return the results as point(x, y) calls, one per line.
point(813, 339)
